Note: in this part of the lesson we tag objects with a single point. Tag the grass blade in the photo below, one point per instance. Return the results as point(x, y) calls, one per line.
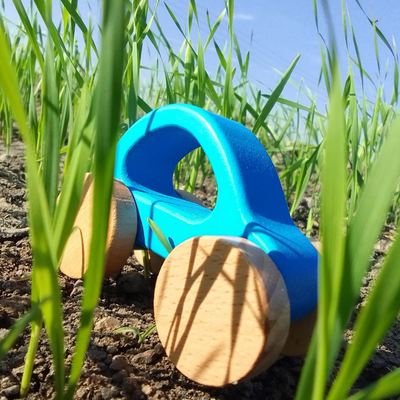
point(366, 225)
point(333, 211)
point(51, 118)
point(383, 300)
point(274, 96)
point(303, 181)
point(395, 95)
point(29, 30)
point(333, 207)
point(58, 43)
point(357, 52)
point(36, 327)
point(214, 28)
point(160, 235)
point(386, 387)
point(16, 330)
point(72, 11)
point(45, 266)
point(109, 99)
point(378, 31)
point(383, 304)
point(79, 149)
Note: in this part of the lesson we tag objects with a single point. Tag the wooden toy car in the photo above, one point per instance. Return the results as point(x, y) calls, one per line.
point(239, 288)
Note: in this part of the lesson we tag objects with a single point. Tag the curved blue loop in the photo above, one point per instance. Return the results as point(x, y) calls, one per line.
point(250, 204)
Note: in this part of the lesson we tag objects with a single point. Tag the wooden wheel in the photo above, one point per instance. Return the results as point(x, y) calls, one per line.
point(300, 332)
point(221, 308)
point(122, 228)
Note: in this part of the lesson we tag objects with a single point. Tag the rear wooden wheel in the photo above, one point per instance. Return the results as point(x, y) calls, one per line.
point(301, 331)
point(122, 228)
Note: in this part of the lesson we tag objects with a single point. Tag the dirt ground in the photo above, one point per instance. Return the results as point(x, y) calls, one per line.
point(116, 366)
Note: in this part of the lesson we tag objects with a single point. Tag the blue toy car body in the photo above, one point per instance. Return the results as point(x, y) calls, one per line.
point(250, 204)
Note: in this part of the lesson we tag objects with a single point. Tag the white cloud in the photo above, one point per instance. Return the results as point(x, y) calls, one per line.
point(243, 17)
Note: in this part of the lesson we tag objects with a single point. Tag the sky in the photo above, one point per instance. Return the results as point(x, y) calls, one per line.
point(274, 32)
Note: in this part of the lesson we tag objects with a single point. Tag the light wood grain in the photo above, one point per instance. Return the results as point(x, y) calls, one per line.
point(221, 308)
point(300, 332)
point(317, 244)
point(122, 228)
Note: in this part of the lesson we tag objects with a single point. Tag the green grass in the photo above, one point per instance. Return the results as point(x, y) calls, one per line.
point(92, 96)
point(141, 336)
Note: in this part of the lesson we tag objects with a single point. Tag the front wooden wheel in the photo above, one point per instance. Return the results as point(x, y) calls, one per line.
point(122, 228)
point(221, 308)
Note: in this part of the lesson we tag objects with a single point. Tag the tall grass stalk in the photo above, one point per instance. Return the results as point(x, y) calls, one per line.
point(47, 248)
point(347, 247)
point(44, 264)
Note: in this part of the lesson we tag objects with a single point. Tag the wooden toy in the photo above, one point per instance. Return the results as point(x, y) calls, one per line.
point(241, 279)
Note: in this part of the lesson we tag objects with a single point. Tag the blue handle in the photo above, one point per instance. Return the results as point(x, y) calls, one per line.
point(250, 204)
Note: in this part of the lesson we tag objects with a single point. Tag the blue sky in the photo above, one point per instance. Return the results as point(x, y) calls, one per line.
point(275, 32)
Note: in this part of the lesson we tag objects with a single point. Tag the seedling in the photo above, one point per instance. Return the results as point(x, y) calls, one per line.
point(141, 336)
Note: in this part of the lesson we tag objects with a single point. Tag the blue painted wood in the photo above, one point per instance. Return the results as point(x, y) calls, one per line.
point(250, 204)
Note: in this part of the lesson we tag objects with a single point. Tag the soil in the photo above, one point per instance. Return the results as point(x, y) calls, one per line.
point(116, 365)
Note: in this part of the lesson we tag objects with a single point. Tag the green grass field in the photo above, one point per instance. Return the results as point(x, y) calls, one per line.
point(91, 96)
